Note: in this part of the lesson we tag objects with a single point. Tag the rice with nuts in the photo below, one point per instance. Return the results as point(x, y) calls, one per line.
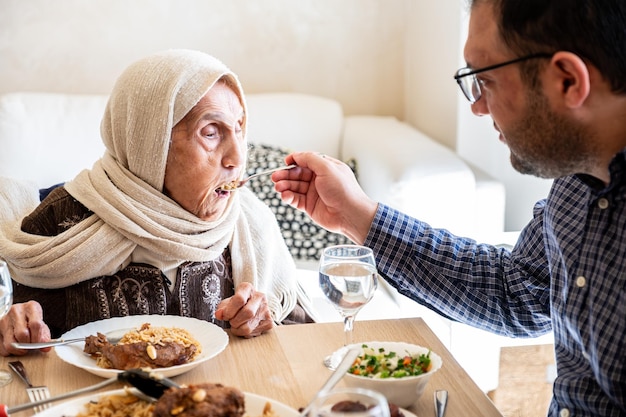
point(117, 405)
point(160, 336)
point(148, 346)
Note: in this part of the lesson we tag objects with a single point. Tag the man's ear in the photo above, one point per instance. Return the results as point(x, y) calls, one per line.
point(570, 75)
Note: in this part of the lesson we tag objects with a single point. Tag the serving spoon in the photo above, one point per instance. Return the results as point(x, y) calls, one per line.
point(113, 337)
point(441, 400)
point(151, 384)
point(338, 373)
point(233, 185)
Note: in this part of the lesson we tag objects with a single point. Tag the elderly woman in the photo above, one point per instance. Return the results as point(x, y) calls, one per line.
point(149, 230)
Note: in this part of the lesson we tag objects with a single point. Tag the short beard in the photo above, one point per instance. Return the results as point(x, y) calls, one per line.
point(548, 145)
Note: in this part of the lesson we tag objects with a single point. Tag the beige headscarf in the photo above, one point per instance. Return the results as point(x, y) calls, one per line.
point(124, 190)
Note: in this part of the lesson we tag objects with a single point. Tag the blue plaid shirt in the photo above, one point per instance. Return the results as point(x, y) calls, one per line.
point(566, 274)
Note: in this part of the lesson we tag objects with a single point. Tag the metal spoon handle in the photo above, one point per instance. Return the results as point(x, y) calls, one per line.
point(269, 171)
point(113, 337)
point(441, 399)
point(258, 174)
point(51, 343)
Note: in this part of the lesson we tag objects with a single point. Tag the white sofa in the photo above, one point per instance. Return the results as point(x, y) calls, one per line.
point(48, 138)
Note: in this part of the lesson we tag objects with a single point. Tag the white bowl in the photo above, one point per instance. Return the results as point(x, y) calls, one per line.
point(404, 391)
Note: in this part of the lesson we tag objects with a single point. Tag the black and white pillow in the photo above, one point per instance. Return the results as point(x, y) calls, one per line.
point(304, 238)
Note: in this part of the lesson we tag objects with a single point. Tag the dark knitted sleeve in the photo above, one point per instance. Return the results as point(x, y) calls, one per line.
point(57, 212)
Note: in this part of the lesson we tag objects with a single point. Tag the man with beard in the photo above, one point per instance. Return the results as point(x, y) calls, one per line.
point(552, 75)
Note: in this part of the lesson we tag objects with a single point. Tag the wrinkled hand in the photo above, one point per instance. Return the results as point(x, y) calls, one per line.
point(23, 323)
point(247, 311)
point(327, 190)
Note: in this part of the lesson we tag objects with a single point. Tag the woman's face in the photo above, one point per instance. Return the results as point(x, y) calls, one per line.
point(208, 150)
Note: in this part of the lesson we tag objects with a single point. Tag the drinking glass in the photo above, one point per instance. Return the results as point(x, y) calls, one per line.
point(350, 402)
point(348, 278)
point(6, 300)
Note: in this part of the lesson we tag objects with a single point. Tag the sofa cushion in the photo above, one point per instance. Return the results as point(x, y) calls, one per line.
point(300, 122)
point(304, 238)
point(48, 138)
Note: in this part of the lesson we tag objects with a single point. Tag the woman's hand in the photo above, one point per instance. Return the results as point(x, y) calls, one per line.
point(247, 311)
point(327, 190)
point(23, 323)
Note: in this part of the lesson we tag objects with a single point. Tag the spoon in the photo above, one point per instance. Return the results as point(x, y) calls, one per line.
point(441, 399)
point(335, 377)
point(149, 383)
point(113, 337)
point(239, 183)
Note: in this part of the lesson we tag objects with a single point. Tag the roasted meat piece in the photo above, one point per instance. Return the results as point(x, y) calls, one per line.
point(94, 344)
point(137, 355)
point(207, 400)
point(143, 354)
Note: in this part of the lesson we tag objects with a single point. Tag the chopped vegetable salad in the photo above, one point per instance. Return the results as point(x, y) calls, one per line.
point(377, 363)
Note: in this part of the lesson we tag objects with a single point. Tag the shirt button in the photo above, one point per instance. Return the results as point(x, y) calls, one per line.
point(585, 355)
point(603, 203)
point(564, 412)
point(581, 282)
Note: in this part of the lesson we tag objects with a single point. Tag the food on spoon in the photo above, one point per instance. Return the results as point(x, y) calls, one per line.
point(146, 347)
point(382, 364)
point(230, 186)
point(210, 400)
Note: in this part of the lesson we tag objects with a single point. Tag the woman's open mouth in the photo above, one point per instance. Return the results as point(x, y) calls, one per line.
point(225, 189)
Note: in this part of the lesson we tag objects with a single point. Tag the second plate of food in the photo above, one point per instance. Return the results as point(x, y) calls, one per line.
point(256, 406)
point(212, 339)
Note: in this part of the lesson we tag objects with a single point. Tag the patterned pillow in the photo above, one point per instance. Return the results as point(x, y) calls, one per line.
point(304, 238)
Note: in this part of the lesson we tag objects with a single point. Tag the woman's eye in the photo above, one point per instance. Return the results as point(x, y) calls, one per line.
point(210, 132)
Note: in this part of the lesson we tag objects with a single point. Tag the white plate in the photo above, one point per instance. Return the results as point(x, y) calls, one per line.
point(212, 338)
point(254, 406)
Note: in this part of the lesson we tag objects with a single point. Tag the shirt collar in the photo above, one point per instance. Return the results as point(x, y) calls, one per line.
point(617, 172)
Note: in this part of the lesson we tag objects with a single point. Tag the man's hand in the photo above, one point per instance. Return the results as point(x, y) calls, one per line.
point(327, 190)
point(23, 323)
point(247, 311)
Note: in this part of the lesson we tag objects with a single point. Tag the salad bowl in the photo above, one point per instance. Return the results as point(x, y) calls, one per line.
point(398, 370)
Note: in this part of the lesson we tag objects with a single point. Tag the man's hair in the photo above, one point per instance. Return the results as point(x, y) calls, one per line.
point(595, 30)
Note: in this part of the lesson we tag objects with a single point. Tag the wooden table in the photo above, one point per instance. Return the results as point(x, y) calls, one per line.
point(284, 364)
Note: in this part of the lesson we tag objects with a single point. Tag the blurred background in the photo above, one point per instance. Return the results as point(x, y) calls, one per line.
point(380, 57)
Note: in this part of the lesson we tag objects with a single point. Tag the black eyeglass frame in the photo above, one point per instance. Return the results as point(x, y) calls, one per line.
point(473, 73)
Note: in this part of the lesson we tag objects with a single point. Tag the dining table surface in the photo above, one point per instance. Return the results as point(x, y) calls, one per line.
point(284, 364)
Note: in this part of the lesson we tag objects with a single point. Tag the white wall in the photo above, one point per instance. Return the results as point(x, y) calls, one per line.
point(432, 43)
point(385, 57)
point(350, 50)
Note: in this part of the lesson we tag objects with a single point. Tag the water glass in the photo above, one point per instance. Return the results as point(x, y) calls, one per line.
point(6, 300)
point(348, 279)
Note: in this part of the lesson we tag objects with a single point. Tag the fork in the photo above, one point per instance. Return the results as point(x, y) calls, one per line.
point(34, 393)
point(239, 183)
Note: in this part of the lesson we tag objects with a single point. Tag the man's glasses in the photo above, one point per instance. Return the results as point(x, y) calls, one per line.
point(470, 84)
